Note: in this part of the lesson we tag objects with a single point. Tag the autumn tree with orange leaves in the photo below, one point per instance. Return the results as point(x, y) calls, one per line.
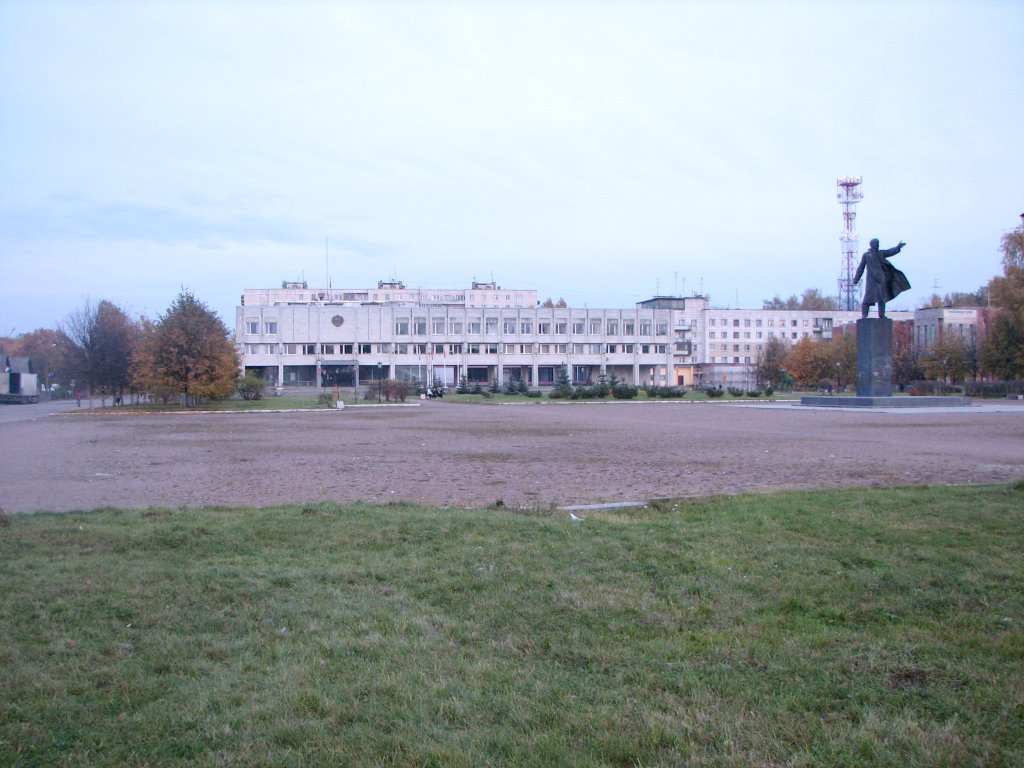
point(188, 352)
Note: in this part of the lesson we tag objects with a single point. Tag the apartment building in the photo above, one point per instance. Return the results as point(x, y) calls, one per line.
point(297, 336)
point(970, 324)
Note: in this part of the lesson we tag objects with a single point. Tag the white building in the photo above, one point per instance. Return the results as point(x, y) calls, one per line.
point(297, 336)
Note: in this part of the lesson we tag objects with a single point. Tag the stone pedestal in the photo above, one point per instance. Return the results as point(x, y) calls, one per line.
point(874, 357)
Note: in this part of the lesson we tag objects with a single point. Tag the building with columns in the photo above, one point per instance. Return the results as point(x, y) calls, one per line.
point(296, 336)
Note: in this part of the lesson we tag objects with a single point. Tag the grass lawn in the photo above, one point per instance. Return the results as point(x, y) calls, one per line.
point(875, 627)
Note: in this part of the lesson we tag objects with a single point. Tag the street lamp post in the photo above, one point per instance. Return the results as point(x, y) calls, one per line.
point(379, 382)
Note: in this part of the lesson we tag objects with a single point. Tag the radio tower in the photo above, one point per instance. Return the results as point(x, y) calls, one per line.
point(849, 195)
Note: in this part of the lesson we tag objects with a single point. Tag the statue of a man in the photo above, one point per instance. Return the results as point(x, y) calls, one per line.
point(884, 282)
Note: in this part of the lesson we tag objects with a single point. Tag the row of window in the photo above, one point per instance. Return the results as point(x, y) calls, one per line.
point(418, 327)
point(454, 349)
point(758, 334)
point(758, 322)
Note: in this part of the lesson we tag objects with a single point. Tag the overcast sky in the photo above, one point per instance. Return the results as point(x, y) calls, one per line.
point(599, 151)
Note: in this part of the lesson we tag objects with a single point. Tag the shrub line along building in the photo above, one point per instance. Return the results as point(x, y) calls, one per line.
point(301, 336)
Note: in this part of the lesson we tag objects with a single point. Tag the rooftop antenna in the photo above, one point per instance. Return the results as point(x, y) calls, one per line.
point(848, 195)
point(327, 263)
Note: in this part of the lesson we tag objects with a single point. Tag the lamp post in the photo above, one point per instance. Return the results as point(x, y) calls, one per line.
point(379, 384)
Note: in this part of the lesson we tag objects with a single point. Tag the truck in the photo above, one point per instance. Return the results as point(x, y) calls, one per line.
point(18, 384)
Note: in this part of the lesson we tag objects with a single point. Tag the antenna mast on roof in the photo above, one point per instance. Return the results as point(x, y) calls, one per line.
point(848, 195)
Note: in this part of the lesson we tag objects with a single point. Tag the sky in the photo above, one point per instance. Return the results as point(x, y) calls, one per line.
point(602, 152)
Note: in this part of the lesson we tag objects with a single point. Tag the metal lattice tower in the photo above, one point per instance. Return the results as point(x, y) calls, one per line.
point(848, 195)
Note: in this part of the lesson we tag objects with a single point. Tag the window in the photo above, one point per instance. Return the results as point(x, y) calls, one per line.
point(760, 334)
point(491, 325)
point(546, 374)
point(456, 326)
point(613, 327)
point(746, 323)
point(711, 321)
point(526, 327)
point(794, 323)
point(438, 349)
point(252, 326)
point(645, 349)
point(402, 327)
point(526, 349)
point(794, 334)
point(365, 349)
point(383, 349)
point(309, 349)
point(735, 334)
point(595, 327)
point(736, 323)
point(509, 327)
point(662, 329)
point(612, 349)
point(544, 328)
point(577, 327)
point(629, 328)
point(746, 334)
point(252, 349)
point(455, 349)
point(474, 327)
point(759, 323)
point(645, 329)
point(627, 348)
point(401, 349)
point(419, 326)
point(545, 349)
point(711, 335)
point(561, 326)
point(270, 327)
point(577, 349)
point(595, 349)
point(735, 347)
point(473, 349)
point(510, 349)
point(419, 349)
point(437, 326)
point(290, 349)
point(326, 349)
point(492, 349)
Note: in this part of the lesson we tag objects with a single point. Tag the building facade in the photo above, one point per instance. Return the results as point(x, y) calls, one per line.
point(297, 336)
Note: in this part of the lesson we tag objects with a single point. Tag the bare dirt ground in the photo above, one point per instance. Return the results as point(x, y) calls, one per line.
point(448, 454)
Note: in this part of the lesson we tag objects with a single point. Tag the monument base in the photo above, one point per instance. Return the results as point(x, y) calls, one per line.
point(874, 357)
point(908, 401)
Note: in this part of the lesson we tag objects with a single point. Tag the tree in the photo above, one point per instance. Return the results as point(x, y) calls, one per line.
point(811, 299)
point(810, 363)
point(905, 368)
point(98, 344)
point(549, 304)
point(188, 351)
point(844, 358)
point(771, 363)
point(948, 360)
point(1002, 354)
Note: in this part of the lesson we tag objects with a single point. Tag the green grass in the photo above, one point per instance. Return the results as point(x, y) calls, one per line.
point(875, 627)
